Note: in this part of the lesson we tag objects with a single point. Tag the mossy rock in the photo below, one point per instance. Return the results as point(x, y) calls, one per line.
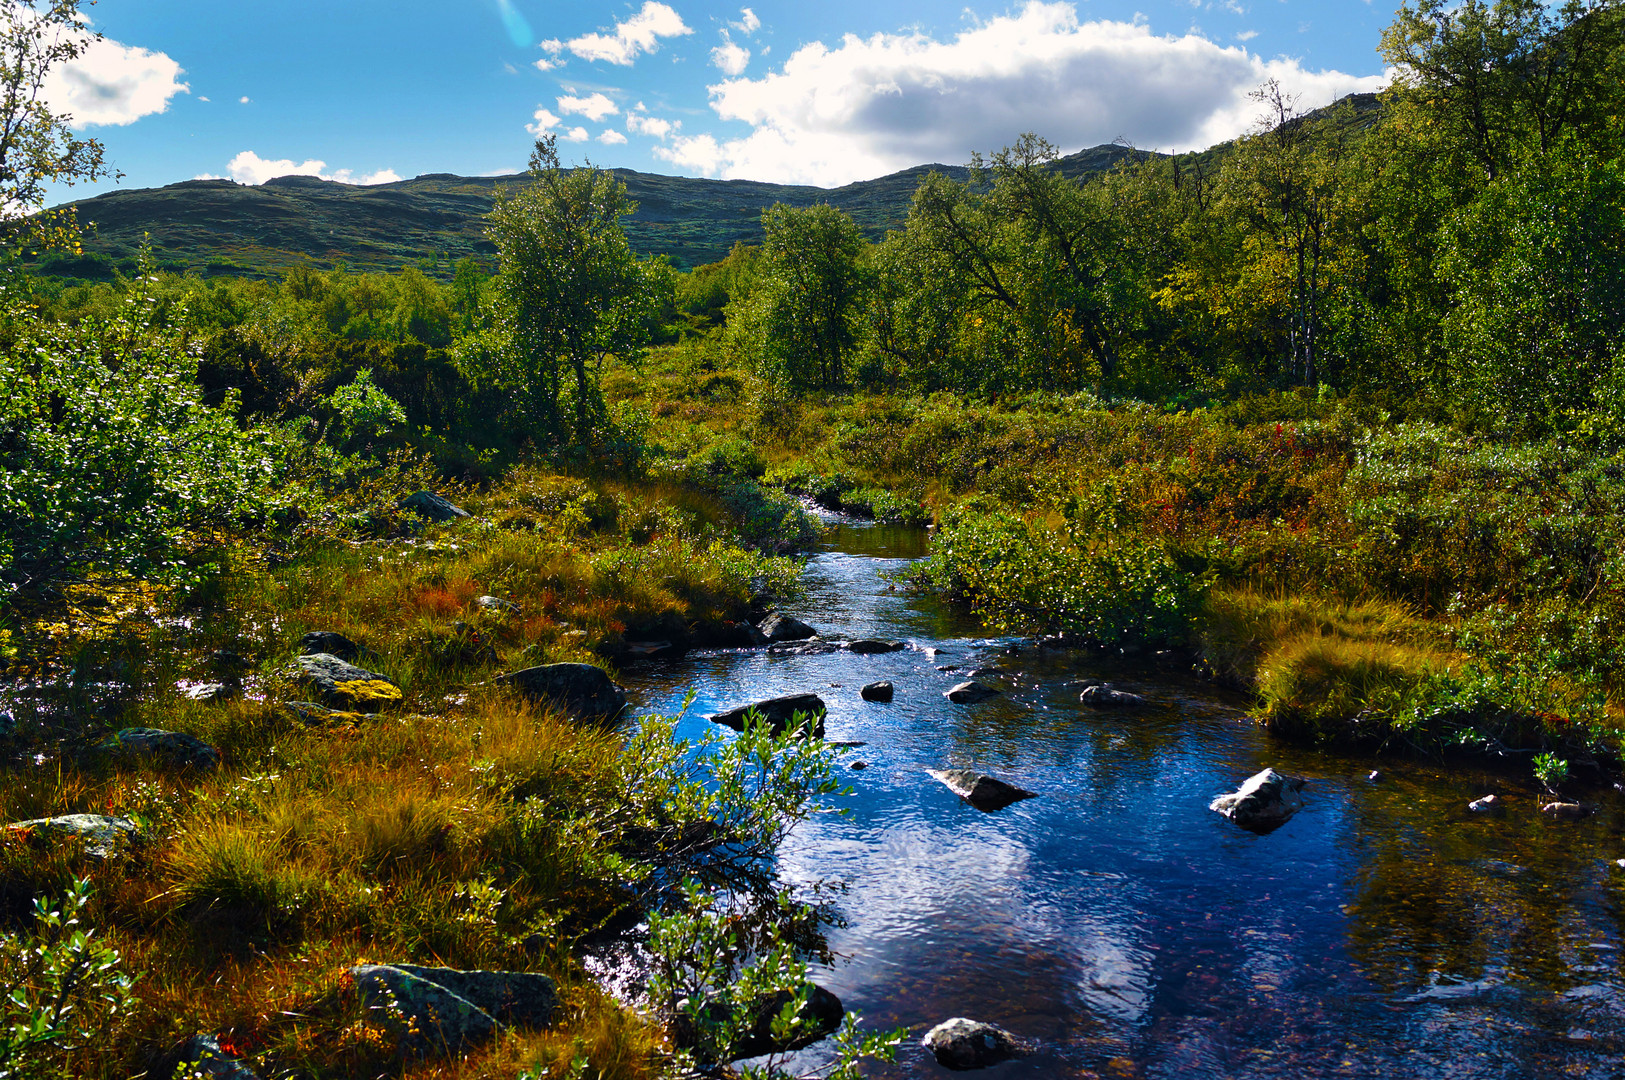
point(344, 686)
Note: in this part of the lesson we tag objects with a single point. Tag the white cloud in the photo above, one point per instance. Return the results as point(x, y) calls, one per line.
point(244, 100)
point(1246, 35)
point(611, 137)
point(202, 98)
point(639, 34)
point(640, 123)
point(543, 122)
point(249, 168)
point(552, 45)
point(730, 57)
point(113, 84)
point(872, 106)
point(748, 22)
point(593, 108)
point(575, 134)
point(544, 64)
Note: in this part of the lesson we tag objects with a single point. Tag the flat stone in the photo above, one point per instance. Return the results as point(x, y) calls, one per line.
point(873, 646)
point(779, 712)
point(877, 691)
point(968, 693)
point(327, 641)
point(424, 1017)
point(1567, 810)
point(172, 747)
point(584, 691)
point(100, 833)
point(962, 1044)
point(1264, 802)
point(427, 504)
point(981, 791)
point(342, 685)
point(202, 1059)
point(781, 627)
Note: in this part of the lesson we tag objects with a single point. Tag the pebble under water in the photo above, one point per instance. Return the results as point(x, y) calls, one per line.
point(1127, 931)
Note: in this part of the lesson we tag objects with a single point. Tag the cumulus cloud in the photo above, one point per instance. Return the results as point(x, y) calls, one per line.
point(639, 34)
point(641, 123)
point(543, 122)
point(544, 64)
point(249, 168)
point(878, 104)
point(748, 22)
point(730, 57)
point(611, 137)
point(575, 134)
point(113, 84)
point(593, 108)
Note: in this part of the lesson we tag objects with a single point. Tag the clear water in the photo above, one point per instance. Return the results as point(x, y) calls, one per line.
point(1128, 931)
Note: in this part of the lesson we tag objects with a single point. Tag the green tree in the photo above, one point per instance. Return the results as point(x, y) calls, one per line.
point(808, 294)
point(571, 293)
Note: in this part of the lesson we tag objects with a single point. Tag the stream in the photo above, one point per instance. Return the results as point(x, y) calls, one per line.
point(1123, 928)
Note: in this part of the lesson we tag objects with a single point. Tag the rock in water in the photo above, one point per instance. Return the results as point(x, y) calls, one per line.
point(582, 690)
point(969, 693)
point(1489, 804)
point(969, 1044)
point(344, 686)
point(99, 832)
point(779, 713)
point(426, 504)
point(781, 627)
point(334, 644)
point(172, 747)
point(982, 792)
point(877, 691)
point(1106, 696)
point(1263, 803)
point(871, 646)
point(1569, 810)
point(822, 1014)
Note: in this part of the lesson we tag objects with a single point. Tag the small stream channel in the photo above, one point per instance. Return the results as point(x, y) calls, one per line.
point(1124, 928)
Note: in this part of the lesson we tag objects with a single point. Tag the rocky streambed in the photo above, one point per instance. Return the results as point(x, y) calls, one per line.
point(1051, 866)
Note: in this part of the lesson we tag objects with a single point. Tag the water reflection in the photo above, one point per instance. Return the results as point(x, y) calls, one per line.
point(1383, 931)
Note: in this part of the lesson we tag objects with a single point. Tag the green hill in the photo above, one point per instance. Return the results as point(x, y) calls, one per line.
point(219, 226)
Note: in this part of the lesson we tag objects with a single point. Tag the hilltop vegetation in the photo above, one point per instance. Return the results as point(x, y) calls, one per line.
point(1334, 415)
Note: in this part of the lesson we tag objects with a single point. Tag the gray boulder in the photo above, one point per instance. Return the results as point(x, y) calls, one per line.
point(342, 685)
point(779, 712)
point(584, 691)
point(877, 691)
point(1263, 803)
point(872, 646)
point(174, 748)
point(1107, 696)
point(969, 693)
point(423, 1017)
point(202, 1059)
point(426, 504)
point(517, 998)
point(963, 1044)
point(327, 641)
point(100, 833)
point(781, 627)
point(981, 791)
point(822, 1014)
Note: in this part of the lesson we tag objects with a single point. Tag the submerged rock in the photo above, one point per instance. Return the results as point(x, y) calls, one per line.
point(872, 646)
point(1107, 696)
point(426, 504)
point(968, 693)
point(877, 691)
point(1489, 804)
point(344, 686)
point(963, 1044)
point(1568, 810)
point(781, 627)
point(1263, 803)
point(583, 690)
point(100, 833)
point(172, 747)
point(779, 713)
point(981, 791)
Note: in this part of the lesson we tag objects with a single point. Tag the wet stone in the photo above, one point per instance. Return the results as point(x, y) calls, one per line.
point(981, 791)
point(873, 647)
point(877, 691)
point(779, 712)
point(781, 627)
point(1264, 802)
point(962, 1044)
point(969, 693)
point(1567, 811)
point(1107, 696)
point(822, 1014)
point(1489, 804)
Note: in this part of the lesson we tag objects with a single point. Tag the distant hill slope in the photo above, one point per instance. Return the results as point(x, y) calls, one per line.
point(218, 226)
point(221, 227)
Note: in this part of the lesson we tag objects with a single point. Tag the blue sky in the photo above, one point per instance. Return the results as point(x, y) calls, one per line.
point(827, 93)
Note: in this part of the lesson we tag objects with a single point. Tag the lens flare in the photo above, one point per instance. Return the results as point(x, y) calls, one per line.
point(517, 25)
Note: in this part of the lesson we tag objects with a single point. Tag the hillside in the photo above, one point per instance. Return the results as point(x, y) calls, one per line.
point(219, 226)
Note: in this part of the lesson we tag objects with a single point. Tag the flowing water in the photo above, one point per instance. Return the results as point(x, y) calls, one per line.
point(1128, 931)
